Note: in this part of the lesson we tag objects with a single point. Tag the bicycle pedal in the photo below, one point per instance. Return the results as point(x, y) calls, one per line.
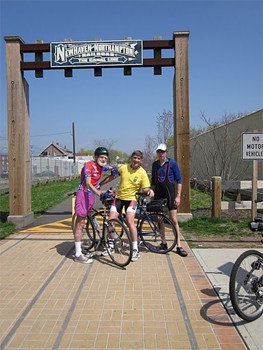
point(88, 254)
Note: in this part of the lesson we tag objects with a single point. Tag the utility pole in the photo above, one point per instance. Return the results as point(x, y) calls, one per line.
point(73, 139)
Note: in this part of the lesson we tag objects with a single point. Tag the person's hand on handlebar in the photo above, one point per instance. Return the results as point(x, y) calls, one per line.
point(106, 195)
point(150, 193)
point(114, 171)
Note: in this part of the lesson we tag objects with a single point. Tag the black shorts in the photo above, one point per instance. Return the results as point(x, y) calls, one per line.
point(167, 192)
point(128, 205)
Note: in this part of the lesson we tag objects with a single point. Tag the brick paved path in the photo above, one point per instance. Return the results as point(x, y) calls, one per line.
point(48, 302)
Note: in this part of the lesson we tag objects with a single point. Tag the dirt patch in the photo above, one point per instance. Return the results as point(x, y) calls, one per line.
point(223, 242)
point(225, 214)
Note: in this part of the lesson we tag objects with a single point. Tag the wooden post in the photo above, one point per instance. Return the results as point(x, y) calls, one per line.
point(181, 116)
point(216, 196)
point(18, 137)
point(254, 190)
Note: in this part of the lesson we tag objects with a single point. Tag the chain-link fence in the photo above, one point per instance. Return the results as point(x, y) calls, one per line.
point(48, 168)
point(45, 168)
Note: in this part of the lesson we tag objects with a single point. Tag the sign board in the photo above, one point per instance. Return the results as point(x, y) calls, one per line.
point(252, 146)
point(96, 53)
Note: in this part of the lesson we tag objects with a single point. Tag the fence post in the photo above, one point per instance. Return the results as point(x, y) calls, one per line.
point(216, 196)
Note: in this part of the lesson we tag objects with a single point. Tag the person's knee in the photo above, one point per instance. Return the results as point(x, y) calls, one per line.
point(113, 215)
point(80, 222)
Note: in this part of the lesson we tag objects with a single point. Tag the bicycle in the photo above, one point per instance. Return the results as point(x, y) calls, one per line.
point(153, 227)
point(155, 230)
point(112, 235)
point(246, 280)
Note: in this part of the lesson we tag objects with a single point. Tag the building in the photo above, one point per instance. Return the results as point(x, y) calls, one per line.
point(217, 152)
point(56, 150)
point(4, 165)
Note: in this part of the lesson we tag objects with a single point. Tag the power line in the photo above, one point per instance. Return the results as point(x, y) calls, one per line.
point(59, 133)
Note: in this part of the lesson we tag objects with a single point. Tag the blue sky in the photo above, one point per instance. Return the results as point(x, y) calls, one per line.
point(225, 67)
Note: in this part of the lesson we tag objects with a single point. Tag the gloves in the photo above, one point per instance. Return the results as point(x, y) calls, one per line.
point(105, 196)
point(114, 171)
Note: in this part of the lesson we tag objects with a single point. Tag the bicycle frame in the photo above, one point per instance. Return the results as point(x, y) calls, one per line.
point(114, 236)
point(151, 227)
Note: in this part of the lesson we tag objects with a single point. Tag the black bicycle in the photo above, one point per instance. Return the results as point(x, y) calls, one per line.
point(108, 237)
point(155, 230)
point(246, 280)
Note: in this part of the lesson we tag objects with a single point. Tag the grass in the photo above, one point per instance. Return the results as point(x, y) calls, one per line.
point(208, 226)
point(47, 195)
point(199, 199)
point(234, 227)
point(44, 196)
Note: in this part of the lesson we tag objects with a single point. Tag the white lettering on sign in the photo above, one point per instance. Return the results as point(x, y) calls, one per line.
point(252, 146)
point(128, 52)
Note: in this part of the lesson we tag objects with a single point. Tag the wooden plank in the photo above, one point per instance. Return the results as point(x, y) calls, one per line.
point(243, 205)
point(181, 116)
point(247, 185)
point(147, 45)
point(147, 62)
point(18, 136)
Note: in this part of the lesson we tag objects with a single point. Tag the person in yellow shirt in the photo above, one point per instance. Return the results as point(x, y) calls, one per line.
point(133, 178)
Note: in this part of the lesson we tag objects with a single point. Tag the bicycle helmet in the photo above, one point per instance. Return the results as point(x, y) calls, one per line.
point(101, 151)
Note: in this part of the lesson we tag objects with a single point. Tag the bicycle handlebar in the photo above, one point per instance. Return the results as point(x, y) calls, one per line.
point(142, 194)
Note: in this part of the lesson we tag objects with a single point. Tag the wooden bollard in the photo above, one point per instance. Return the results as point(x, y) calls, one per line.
point(216, 196)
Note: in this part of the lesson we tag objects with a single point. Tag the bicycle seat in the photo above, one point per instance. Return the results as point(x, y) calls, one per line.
point(108, 201)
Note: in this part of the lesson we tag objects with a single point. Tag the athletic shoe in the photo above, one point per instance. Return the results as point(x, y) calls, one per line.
point(110, 248)
point(106, 253)
point(180, 251)
point(163, 246)
point(88, 254)
point(135, 255)
point(85, 253)
point(83, 259)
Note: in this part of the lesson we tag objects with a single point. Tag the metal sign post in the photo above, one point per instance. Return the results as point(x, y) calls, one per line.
point(254, 190)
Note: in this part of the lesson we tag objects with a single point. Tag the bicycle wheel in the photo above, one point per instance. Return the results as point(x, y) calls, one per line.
point(118, 242)
point(246, 285)
point(88, 234)
point(158, 233)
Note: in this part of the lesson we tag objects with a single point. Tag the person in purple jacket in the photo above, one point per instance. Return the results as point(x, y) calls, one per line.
point(167, 183)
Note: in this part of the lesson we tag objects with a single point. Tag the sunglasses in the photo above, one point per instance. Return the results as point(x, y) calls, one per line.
point(160, 151)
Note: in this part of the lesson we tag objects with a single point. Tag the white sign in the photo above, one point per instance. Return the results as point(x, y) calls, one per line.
point(252, 146)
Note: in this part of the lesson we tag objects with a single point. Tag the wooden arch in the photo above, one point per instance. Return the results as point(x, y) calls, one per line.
point(18, 112)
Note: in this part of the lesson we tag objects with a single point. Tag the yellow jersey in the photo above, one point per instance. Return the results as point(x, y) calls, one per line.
point(132, 180)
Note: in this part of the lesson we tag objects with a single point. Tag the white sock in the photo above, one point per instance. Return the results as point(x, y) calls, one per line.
point(135, 245)
point(78, 251)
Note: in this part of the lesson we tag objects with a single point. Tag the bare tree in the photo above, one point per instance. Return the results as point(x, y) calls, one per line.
point(195, 131)
point(105, 143)
point(149, 152)
point(216, 152)
point(164, 127)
